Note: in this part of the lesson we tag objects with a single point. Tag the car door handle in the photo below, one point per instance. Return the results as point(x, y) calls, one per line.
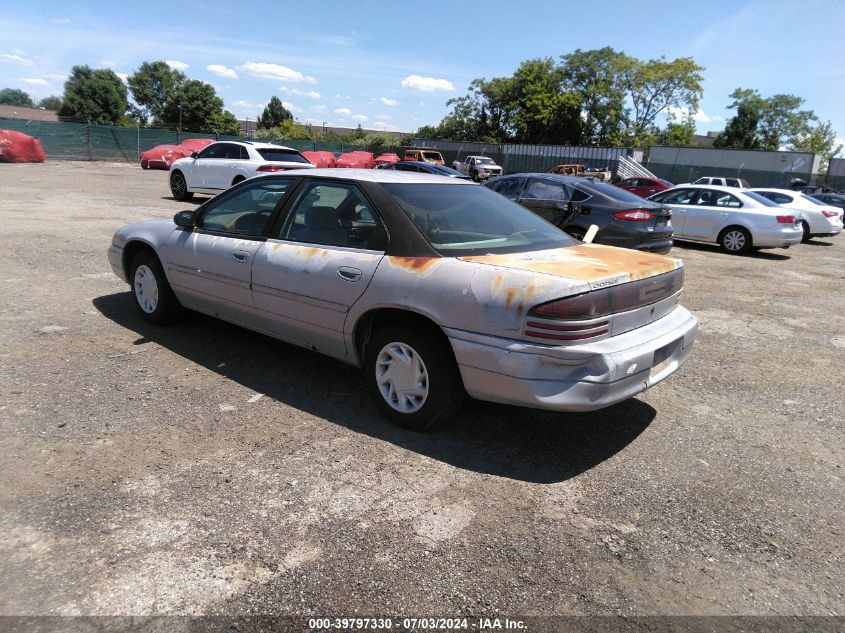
point(349, 274)
point(724, 214)
point(241, 256)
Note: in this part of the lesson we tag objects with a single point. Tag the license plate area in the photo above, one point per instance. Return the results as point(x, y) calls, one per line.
point(663, 358)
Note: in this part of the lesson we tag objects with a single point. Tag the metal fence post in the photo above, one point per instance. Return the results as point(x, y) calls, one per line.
point(88, 140)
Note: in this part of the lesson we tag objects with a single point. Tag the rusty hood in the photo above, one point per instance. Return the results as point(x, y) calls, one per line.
point(594, 264)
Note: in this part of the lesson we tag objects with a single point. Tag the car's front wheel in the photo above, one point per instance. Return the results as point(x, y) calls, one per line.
point(412, 375)
point(179, 187)
point(153, 296)
point(735, 240)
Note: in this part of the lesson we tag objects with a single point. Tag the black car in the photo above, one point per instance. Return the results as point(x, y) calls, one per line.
point(833, 199)
point(573, 204)
point(426, 168)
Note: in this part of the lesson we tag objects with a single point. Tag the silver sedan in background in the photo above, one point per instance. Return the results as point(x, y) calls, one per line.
point(738, 220)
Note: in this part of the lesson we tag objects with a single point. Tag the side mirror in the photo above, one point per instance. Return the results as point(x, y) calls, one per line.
point(194, 154)
point(185, 219)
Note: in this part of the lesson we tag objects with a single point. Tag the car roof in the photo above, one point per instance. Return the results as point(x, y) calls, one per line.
point(378, 176)
point(257, 145)
point(777, 190)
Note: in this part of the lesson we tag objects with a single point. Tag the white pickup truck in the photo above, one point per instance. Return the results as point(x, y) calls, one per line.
point(478, 167)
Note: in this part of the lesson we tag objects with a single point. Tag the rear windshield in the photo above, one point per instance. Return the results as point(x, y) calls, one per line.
point(446, 171)
point(468, 220)
point(761, 199)
point(432, 155)
point(281, 155)
point(813, 200)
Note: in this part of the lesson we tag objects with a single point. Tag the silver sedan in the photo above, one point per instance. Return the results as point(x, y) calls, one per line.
point(436, 287)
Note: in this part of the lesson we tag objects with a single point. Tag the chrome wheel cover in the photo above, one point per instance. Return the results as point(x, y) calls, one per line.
point(734, 240)
point(146, 289)
point(402, 377)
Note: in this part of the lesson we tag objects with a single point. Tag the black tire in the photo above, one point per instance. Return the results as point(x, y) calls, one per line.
point(443, 385)
point(735, 240)
point(151, 292)
point(179, 187)
point(237, 179)
point(806, 237)
point(576, 231)
point(474, 175)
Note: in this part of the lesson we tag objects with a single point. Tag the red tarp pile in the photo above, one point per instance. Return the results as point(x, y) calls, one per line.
point(17, 147)
point(195, 144)
point(163, 156)
point(320, 159)
point(387, 158)
point(357, 160)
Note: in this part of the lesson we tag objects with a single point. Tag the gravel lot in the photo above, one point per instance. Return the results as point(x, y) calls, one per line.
point(204, 469)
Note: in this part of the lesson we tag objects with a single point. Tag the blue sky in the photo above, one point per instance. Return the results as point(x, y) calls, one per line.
point(393, 64)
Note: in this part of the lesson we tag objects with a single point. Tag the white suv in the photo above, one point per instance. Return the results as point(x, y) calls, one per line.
point(220, 165)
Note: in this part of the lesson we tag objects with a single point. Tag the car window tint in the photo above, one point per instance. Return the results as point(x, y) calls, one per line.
point(246, 210)
point(579, 196)
point(508, 187)
point(335, 214)
point(682, 196)
point(726, 200)
point(281, 155)
point(244, 152)
point(232, 151)
point(546, 190)
point(216, 150)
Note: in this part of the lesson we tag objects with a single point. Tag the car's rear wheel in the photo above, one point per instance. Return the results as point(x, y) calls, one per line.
point(806, 237)
point(179, 187)
point(153, 296)
point(413, 377)
point(735, 240)
point(576, 231)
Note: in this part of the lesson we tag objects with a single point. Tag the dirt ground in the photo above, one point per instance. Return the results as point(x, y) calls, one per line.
point(204, 469)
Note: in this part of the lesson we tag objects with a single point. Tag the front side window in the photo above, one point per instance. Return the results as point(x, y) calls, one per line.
point(335, 214)
point(247, 210)
point(546, 190)
point(460, 219)
point(215, 150)
point(508, 187)
point(681, 196)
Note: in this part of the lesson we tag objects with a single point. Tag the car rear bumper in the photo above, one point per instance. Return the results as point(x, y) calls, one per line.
point(778, 238)
point(575, 377)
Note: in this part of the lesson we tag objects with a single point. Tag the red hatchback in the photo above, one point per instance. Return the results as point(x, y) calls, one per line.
point(644, 187)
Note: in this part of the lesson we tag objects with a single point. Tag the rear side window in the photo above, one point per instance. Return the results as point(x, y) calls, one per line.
point(281, 155)
point(727, 200)
point(682, 196)
point(779, 198)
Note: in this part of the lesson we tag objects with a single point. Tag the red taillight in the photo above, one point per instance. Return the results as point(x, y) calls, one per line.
point(634, 215)
point(271, 168)
point(830, 214)
point(786, 219)
point(586, 306)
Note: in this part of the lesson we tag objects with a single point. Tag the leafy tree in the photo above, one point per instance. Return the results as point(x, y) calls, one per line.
point(15, 97)
point(655, 86)
point(594, 76)
point(152, 86)
point(274, 114)
point(50, 103)
point(779, 118)
point(357, 135)
point(195, 105)
point(819, 140)
point(540, 111)
point(741, 130)
point(678, 134)
point(97, 95)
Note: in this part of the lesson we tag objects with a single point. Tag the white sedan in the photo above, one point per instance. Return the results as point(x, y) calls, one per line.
point(220, 165)
point(738, 220)
point(820, 219)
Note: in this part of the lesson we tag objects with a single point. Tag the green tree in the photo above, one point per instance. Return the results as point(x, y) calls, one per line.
point(780, 121)
point(357, 135)
point(195, 106)
point(678, 133)
point(540, 111)
point(654, 86)
point(594, 76)
point(741, 130)
point(96, 95)
point(50, 103)
point(820, 140)
point(152, 86)
point(274, 114)
point(15, 97)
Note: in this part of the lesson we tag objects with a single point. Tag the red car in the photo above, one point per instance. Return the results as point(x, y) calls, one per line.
point(357, 160)
point(644, 187)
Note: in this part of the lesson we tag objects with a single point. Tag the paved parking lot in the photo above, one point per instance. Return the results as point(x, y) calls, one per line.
point(201, 468)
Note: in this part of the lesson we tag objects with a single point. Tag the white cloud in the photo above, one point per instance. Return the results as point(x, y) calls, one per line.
point(340, 97)
point(243, 104)
point(176, 64)
point(343, 111)
point(276, 72)
point(388, 102)
point(422, 104)
point(222, 71)
point(61, 21)
point(57, 77)
point(311, 94)
point(383, 117)
point(700, 116)
point(426, 84)
point(319, 109)
point(359, 117)
point(294, 109)
point(108, 63)
point(123, 76)
point(35, 81)
point(16, 59)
